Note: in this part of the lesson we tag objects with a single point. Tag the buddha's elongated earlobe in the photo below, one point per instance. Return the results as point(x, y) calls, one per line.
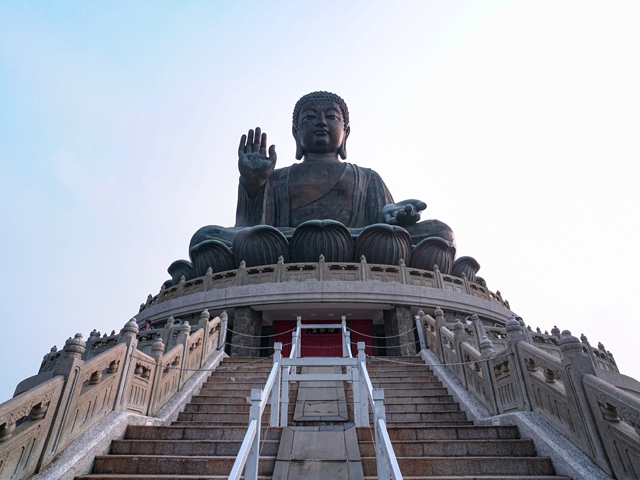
point(342, 151)
point(299, 151)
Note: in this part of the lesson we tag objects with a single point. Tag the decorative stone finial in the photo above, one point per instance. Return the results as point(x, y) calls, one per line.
point(280, 260)
point(94, 333)
point(185, 327)
point(583, 338)
point(243, 264)
point(438, 312)
point(157, 348)
point(402, 264)
point(363, 259)
point(74, 346)
point(457, 325)
point(486, 345)
point(512, 325)
point(321, 258)
point(555, 331)
point(209, 271)
point(205, 314)
point(435, 267)
point(54, 349)
point(570, 345)
point(601, 347)
point(130, 328)
point(223, 316)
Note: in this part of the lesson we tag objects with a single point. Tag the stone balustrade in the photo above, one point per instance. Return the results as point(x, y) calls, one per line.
point(324, 271)
point(76, 387)
point(575, 388)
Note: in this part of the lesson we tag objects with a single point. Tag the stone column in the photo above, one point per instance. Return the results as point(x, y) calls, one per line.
point(396, 321)
point(248, 322)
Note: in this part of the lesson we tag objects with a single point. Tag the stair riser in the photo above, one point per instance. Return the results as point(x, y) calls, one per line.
point(445, 433)
point(413, 392)
point(470, 466)
point(425, 407)
point(186, 448)
point(425, 417)
point(520, 448)
point(196, 433)
point(173, 465)
point(217, 417)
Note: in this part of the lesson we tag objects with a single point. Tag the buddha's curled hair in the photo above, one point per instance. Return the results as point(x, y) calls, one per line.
point(321, 96)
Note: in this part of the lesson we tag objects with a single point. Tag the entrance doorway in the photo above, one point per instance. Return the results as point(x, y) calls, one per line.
point(319, 342)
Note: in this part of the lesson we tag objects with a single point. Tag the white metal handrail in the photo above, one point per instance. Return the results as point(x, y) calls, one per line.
point(386, 461)
point(277, 388)
point(249, 455)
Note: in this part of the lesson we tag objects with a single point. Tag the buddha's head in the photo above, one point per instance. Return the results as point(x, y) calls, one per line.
point(321, 124)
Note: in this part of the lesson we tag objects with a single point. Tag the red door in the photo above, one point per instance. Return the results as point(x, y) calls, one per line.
point(319, 342)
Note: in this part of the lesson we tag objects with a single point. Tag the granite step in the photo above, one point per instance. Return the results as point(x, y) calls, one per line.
point(197, 432)
point(477, 477)
point(456, 448)
point(466, 466)
point(451, 432)
point(174, 465)
point(188, 447)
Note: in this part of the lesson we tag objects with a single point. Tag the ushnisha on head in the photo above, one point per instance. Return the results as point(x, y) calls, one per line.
point(321, 125)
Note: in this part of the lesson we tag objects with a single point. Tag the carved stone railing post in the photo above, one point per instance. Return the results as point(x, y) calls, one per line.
point(242, 272)
point(224, 319)
point(440, 322)
point(181, 283)
point(206, 283)
point(403, 272)
point(460, 336)
point(183, 339)
point(70, 365)
point(94, 336)
point(576, 366)
point(465, 281)
point(364, 269)
point(420, 327)
point(515, 335)
point(166, 331)
point(128, 337)
point(439, 280)
point(157, 352)
point(280, 270)
point(203, 323)
point(321, 267)
point(487, 351)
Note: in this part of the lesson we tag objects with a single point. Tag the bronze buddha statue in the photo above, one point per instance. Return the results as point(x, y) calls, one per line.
point(337, 200)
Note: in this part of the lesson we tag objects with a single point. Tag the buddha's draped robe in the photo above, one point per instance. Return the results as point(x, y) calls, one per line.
point(356, 200)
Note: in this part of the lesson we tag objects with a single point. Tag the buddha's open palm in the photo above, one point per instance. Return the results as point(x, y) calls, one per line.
point(405, 213)
point(253, 162)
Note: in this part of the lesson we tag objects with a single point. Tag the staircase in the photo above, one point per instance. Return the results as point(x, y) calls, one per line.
point(431, 436)
point(433, 439)
point(204, 442)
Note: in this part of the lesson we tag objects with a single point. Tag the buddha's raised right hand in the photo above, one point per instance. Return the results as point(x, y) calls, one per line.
point(254, 164)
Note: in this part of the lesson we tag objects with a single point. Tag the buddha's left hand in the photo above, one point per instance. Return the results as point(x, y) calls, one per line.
point(405, 213)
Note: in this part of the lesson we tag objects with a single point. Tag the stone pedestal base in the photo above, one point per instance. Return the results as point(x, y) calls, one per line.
point(249, 322)
point(399, 320)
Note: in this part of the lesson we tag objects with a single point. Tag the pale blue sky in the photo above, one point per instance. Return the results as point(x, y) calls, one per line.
point(517, 123)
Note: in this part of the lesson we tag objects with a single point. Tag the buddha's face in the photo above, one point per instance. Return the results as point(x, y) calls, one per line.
point(320, 127)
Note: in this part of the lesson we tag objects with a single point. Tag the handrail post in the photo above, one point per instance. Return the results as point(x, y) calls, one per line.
point(420, 328)
point(284, 397)
point(275, 391)
point(298, 339)
point(357, 396)
point(344, 336)
point(364, 401)
point(381, 461)
point(251, 469)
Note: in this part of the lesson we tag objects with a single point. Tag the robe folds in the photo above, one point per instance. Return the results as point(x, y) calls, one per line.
point(356, 200)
